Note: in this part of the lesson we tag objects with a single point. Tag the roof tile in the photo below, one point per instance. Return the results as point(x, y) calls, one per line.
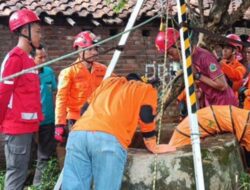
point(6, 11)
point(99, 9)
point(83, 12)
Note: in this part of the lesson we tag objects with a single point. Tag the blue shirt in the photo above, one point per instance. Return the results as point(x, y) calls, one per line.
point(47, 86)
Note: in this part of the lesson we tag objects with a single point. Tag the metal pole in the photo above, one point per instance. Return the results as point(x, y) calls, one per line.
point(191, 97)
point(113, 62)
point(124, 38)
point(59, 181)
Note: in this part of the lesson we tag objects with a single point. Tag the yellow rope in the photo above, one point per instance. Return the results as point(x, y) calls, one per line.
point(162, 104)
point(164, 90)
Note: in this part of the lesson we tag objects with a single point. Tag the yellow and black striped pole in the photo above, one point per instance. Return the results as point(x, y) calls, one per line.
point(190, 91)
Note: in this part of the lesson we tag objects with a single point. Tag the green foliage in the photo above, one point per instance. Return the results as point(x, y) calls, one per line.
point(117, 6)
point(244, 181)
point(49, 177)
point(2, 174)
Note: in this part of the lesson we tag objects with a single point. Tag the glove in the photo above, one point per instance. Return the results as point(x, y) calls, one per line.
point(151, 145)
point(61, 133)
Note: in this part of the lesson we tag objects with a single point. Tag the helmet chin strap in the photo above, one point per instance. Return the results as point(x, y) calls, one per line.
point(86, 60)
point(231, 57)
point(28, 37)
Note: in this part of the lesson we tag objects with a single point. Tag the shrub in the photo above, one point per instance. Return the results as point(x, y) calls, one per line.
point(2, 174)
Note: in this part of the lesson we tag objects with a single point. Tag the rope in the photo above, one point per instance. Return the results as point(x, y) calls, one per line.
point(48, 75)
point(164, 91)
point(78, 51)
point(99, 53)
point(161, 106)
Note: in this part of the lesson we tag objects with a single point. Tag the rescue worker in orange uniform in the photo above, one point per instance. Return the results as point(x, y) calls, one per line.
point(97, 145)
point(215, 120)
point(230, 65)
point(76, 83)
point(245, 38)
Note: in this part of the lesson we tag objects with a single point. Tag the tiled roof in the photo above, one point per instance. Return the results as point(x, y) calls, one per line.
point(97, 9)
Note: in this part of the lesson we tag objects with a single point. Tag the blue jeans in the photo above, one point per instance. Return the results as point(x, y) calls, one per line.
point(93, 155)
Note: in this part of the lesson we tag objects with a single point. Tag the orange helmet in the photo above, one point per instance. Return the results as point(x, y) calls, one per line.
point(234, 44)
point(21, 18)
point(171, 35)
point(85, 39)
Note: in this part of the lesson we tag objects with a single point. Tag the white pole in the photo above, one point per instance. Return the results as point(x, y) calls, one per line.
point(59, 181)
point(195, 136)
point(113, 62)
point(124, 38)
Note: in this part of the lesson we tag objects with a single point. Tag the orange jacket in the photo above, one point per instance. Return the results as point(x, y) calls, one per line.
point(114, 108)
point(235, 72)
point(75, 85)
point(199, 94)
point(247, 93)
point(182, 96)
point(215, 120)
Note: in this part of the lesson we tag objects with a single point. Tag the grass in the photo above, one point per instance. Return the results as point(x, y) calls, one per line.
point(49, 177)
point(244, 182)
point(2, 173)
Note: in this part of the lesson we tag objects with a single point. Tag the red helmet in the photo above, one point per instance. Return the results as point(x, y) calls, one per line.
point(85, 39)
point(171, 35)
point(21, 18)
point(234, 44)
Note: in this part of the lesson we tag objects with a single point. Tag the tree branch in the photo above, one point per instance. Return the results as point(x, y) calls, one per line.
point(201, 12)
point(229, 20)
point(217, 12)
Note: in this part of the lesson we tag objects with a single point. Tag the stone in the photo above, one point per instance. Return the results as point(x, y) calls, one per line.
point(222, 165)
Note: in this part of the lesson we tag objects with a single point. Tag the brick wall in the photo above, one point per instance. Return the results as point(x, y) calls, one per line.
point(58, 41)
point(242, 30)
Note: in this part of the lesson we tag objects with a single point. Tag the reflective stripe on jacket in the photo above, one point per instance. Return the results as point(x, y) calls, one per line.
point(20, 101)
